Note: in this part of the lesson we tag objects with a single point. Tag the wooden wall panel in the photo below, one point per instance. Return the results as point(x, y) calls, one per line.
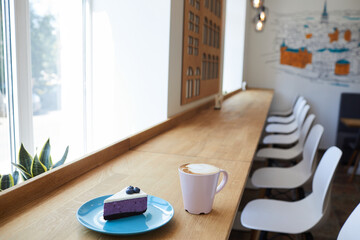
point(201, 49)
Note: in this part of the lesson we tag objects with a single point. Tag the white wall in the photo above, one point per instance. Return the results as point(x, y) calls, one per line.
point(260, 70)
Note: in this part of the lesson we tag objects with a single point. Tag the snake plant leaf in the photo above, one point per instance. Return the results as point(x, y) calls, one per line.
point(37, 167)
point(25, 159)
point(45, 155)
point(16, 177)
point(6, 181)
point(62, 160)
point(24, 173)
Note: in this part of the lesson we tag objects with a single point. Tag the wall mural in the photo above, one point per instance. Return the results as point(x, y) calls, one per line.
point(320, 45)
point(201, 49)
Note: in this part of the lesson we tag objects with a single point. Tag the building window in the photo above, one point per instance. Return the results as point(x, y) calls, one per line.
point(197, 87)
point(209, 68)
point(203, 76)
point(205, 32)
point(191, 21)
point(197, 4)
point(210, 33)
point(206, 3)
point(189, 88)
point(197, 73)
point(197, 23)
point(190, 71)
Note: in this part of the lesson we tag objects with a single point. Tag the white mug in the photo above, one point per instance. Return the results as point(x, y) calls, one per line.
point(199, 186)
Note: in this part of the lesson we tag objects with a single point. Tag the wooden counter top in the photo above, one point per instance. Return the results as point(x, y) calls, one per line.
point(225, 138)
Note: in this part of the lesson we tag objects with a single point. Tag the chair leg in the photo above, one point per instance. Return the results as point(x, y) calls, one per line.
point(300, 193)
point(263, 235)
point(351, 160)
point(308, 236)
point(254, 235)
point(355, 168)
point(268, 193)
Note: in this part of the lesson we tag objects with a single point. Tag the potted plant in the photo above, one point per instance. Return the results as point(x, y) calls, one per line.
point(32, 166)
point(8, 180)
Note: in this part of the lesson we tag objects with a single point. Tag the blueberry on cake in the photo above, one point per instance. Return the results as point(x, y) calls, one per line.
point(128, 202)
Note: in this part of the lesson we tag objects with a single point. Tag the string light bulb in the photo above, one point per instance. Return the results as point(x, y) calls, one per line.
point(263, 14)
point(259, 25)
point(257, 3)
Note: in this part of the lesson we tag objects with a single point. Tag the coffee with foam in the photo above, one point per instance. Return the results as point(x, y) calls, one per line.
point(199, 168)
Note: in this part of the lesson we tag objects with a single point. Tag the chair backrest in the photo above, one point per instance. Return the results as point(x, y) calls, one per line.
point(306, 128)
point(311, 147)
point(323, 177)
point(350, 230)
point(302, 115)
point(302, 103)
point(296, 105)
point(348, 108)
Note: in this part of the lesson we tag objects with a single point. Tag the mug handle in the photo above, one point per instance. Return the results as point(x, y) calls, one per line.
point(223, 181)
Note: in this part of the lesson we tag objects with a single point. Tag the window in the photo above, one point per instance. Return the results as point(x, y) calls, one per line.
point(196, 46)
point(197, 87)
point(218, 37)
point(80, 86)
point(206, 2)
point(6, 120)
point(191, 21)
point(197, 4)
point(57, 75)
point(204, 67)
point(213, 67)
point(210, 33)
point(205, 33)
point(189, 87)
point(135, 66)
point(197, 73)
point(190, 71)
point(215, 36)
point(233, 51)
point(209, 68)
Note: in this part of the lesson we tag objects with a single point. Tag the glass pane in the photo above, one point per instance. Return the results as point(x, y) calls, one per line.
point(5, 157)
point(130, 68)
point(57, 75)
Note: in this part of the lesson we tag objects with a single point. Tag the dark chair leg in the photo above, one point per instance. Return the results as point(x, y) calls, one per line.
point(351, 160)
point(263, 235)
point(300, 192)
point(268, 193)
point(355, 168)
point(308, 236)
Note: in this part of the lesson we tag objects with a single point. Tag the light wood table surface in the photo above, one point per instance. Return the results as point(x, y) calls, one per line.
point(225, 138)
point(351, 122)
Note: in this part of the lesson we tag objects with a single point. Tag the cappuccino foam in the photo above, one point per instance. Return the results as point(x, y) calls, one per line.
point(199, 168)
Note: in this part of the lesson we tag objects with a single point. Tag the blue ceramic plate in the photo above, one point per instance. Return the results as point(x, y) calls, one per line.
point(158, 213)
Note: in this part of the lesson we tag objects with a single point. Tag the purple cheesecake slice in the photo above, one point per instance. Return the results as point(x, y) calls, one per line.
point(123, 204)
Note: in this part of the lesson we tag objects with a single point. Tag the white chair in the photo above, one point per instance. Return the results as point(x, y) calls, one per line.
point(290, 117)
point(290, 127)
point(287, 139)
point(300, 216)
point(288, 111)
point(283, 153)
point(294, 176)
point(351, 229)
